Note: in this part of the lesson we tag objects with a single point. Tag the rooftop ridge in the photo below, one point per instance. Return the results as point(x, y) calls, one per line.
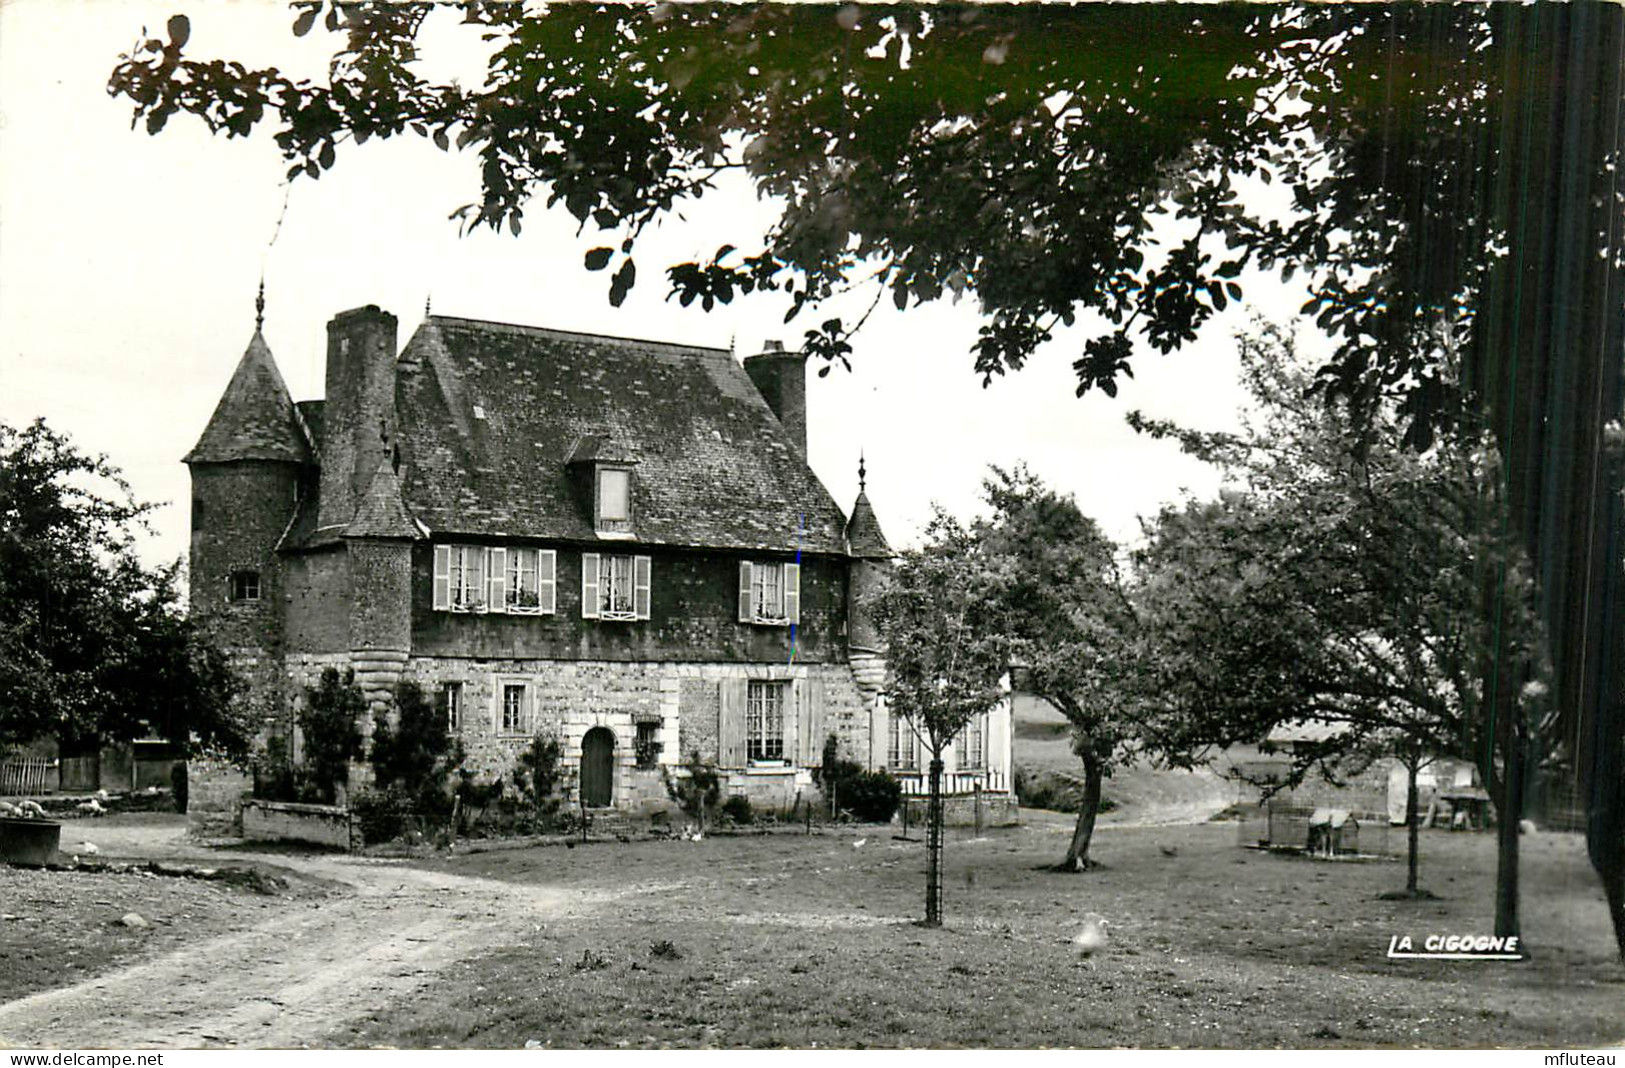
point(551, 331)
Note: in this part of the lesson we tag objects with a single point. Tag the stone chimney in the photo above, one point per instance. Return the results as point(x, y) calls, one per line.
point(781, 379)
point(358, 418)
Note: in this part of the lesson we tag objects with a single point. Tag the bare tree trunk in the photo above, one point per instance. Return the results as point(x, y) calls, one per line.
point(933, 847)
point(1510, 815)
point(1413, 827)
point(1077, 853)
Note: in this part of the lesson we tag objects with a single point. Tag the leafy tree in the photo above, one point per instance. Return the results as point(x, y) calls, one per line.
point(93, 645)
point(1357, 590)
point(945, 653)
point(1067, 619)
point(330, 721)
point(414, 752)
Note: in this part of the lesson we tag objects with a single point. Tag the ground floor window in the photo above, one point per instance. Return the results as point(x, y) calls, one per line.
point(764, 719)
point(515, 709)
point(451, 699)
point(900, 752)
point(973, 743)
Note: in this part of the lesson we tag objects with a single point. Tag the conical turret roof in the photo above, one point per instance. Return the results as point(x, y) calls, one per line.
point(255, 419)
point(864, 538)
point(382, 513)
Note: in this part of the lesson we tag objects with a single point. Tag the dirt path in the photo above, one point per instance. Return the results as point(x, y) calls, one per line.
point(301, 974)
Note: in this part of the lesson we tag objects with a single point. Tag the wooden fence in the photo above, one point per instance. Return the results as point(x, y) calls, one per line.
point(26, 778)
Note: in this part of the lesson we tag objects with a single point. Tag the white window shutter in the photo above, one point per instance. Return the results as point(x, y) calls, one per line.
point(641, 576)
point(496, 585)
point(442, 578)
point(813, 709)
point(796, 724)
point(547, 568)
point(479, 555)
point(745, 612)
point(792, 593)
point(731, 723)
point(589, 585)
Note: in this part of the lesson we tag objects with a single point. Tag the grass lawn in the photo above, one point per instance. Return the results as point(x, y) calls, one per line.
point(794, 941)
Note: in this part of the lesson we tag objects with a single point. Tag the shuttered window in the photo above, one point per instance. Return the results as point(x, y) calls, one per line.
point(478, 578)
point(900, 750)
point(764, 719)
point(769, 593)
point(615, 587)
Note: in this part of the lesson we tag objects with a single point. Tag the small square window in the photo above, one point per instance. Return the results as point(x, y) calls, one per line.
point(646, 745)
point(245, 585)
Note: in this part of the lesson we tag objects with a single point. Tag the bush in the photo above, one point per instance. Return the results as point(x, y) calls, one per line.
point(332, 709)
point(737, 808)
point(871, 796)
point(539, 772)
point(381, 814)
point(1044, 789)
point(696, 792)
point(415, 753)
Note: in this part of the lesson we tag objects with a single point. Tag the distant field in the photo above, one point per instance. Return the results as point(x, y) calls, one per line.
point(1043, 743)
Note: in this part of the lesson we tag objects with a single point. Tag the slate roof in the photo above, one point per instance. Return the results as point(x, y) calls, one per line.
point(255, 419)
point(489, 416)
point(382, 513)
point(863, 535)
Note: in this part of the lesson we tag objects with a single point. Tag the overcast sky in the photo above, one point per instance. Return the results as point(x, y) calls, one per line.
point(128, 266)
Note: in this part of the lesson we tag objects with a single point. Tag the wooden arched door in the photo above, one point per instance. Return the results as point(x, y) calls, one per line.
point(598, 768)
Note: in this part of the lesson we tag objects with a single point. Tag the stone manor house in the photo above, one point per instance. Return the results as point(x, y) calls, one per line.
point(618, 542)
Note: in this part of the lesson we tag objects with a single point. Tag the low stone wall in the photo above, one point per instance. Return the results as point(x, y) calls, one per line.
point(959, 810)
point(215, 793)
point(285, 821)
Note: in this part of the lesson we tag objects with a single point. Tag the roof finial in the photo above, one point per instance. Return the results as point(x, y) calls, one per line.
point(862, 473)
point(428, 304)
point(259, 307)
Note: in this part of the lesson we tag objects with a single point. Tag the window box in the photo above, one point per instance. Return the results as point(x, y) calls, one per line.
point(769, 593)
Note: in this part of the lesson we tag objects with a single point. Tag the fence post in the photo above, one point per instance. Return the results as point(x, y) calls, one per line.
point(977, 802)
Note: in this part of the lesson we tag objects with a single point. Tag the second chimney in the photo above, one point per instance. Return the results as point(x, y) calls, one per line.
point(358, 416)
point(781, 379)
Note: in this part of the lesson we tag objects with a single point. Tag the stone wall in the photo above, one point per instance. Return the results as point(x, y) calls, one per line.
point(216, 790)
point(277, 821)
point(567, 699)
point(693, 616)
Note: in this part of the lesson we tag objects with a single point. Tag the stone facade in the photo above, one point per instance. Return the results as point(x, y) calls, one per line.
point(337, 509)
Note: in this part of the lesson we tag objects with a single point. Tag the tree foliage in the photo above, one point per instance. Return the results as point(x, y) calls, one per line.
point(1365, 591)
point(94, 646)
point(330, 720)
point(939, 613)
point(414, 752)
point(1067, 623)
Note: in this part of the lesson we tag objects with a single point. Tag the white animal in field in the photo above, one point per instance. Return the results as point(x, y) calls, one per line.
point(92, 807)
point(87, 848)
point(1092, 939)
point(859, 843)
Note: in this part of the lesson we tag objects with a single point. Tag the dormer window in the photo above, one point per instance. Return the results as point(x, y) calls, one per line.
point(769, 593)
point(614, 501)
